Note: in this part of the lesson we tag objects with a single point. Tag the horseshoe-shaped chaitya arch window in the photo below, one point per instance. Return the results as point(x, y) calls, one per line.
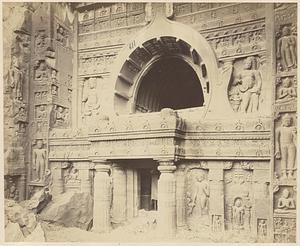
point(166, 65)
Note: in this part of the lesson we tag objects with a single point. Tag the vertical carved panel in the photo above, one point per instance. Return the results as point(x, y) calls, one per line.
point(17, 54)
point(284, 201)
point(197, 199)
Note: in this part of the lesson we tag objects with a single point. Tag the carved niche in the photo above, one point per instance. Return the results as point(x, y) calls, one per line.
point(41, 72)
point(197, 199)
point(41, 41)
point(262, 231)
point(71, 177)
point(10, 188)
point(238, 197)
point(286, 51)
point(285, 200)
point(245, 88)
point(286, 89)
point(39, 161)
point(16, 78)
point(59, 117)
point(62, 35)
point(90, 97)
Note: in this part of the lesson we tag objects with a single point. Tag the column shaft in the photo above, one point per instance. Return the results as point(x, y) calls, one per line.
point(167, 201)
point(180, 197)
point(119, 194)
point(101, 219)
point(57, 179)
point(85, 181)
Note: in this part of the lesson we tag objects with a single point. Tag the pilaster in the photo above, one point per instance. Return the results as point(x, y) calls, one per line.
point(167, 199)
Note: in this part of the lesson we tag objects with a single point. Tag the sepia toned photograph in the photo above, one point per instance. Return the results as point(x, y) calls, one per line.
point(150, 122)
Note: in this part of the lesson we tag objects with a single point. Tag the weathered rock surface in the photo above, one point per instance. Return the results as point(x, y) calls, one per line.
point(13, 233)
point(21, 224)
point(70, 210)
point(37, 235)
point(38, 201)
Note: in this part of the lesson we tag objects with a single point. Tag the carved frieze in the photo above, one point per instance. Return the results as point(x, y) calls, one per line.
point(98, 62)
point(238, 40)
point(218, 16)
point(115, 16)
point(240, 125)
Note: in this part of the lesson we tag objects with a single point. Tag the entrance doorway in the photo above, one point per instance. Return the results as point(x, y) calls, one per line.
point(148, 184)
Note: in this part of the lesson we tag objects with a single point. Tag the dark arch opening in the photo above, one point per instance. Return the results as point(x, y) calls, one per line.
point(170, 83)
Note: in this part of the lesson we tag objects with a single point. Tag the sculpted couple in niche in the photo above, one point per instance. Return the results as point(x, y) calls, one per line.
point(247, 87)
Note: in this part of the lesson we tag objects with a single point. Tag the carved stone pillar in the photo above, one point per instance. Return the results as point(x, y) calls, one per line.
point(180, 196)
point(22, 187)
point(57, 178)
point(136, 193)
point(84, 173)
point(119, 194)
point(216, 186)
point(261, 197)
point(102, 188)
point(79, 101)
point(130, 193)
point(166, 199)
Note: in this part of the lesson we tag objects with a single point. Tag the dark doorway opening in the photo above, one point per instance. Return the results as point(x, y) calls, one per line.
point(148, 197)
point(170, 83)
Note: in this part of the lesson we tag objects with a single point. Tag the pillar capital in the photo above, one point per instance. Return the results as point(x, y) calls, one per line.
point(166, 162)
point(116, 165)
point(102, 165)
point(102, 168)
point(167, 169)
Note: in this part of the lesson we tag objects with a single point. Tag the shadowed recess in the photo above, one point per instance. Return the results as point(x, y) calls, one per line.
point(170, 83)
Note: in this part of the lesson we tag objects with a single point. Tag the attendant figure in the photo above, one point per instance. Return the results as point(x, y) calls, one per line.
point(249, 83)
point(285, 139)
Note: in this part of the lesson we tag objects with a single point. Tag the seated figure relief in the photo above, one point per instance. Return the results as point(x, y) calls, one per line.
point(287, 92)
point(285, 202)
point(72, 176)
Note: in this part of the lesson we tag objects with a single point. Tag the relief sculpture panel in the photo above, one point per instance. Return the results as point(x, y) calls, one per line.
point(197, 200)
point(285, 150)
point(245, 88)
point(239, 198)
